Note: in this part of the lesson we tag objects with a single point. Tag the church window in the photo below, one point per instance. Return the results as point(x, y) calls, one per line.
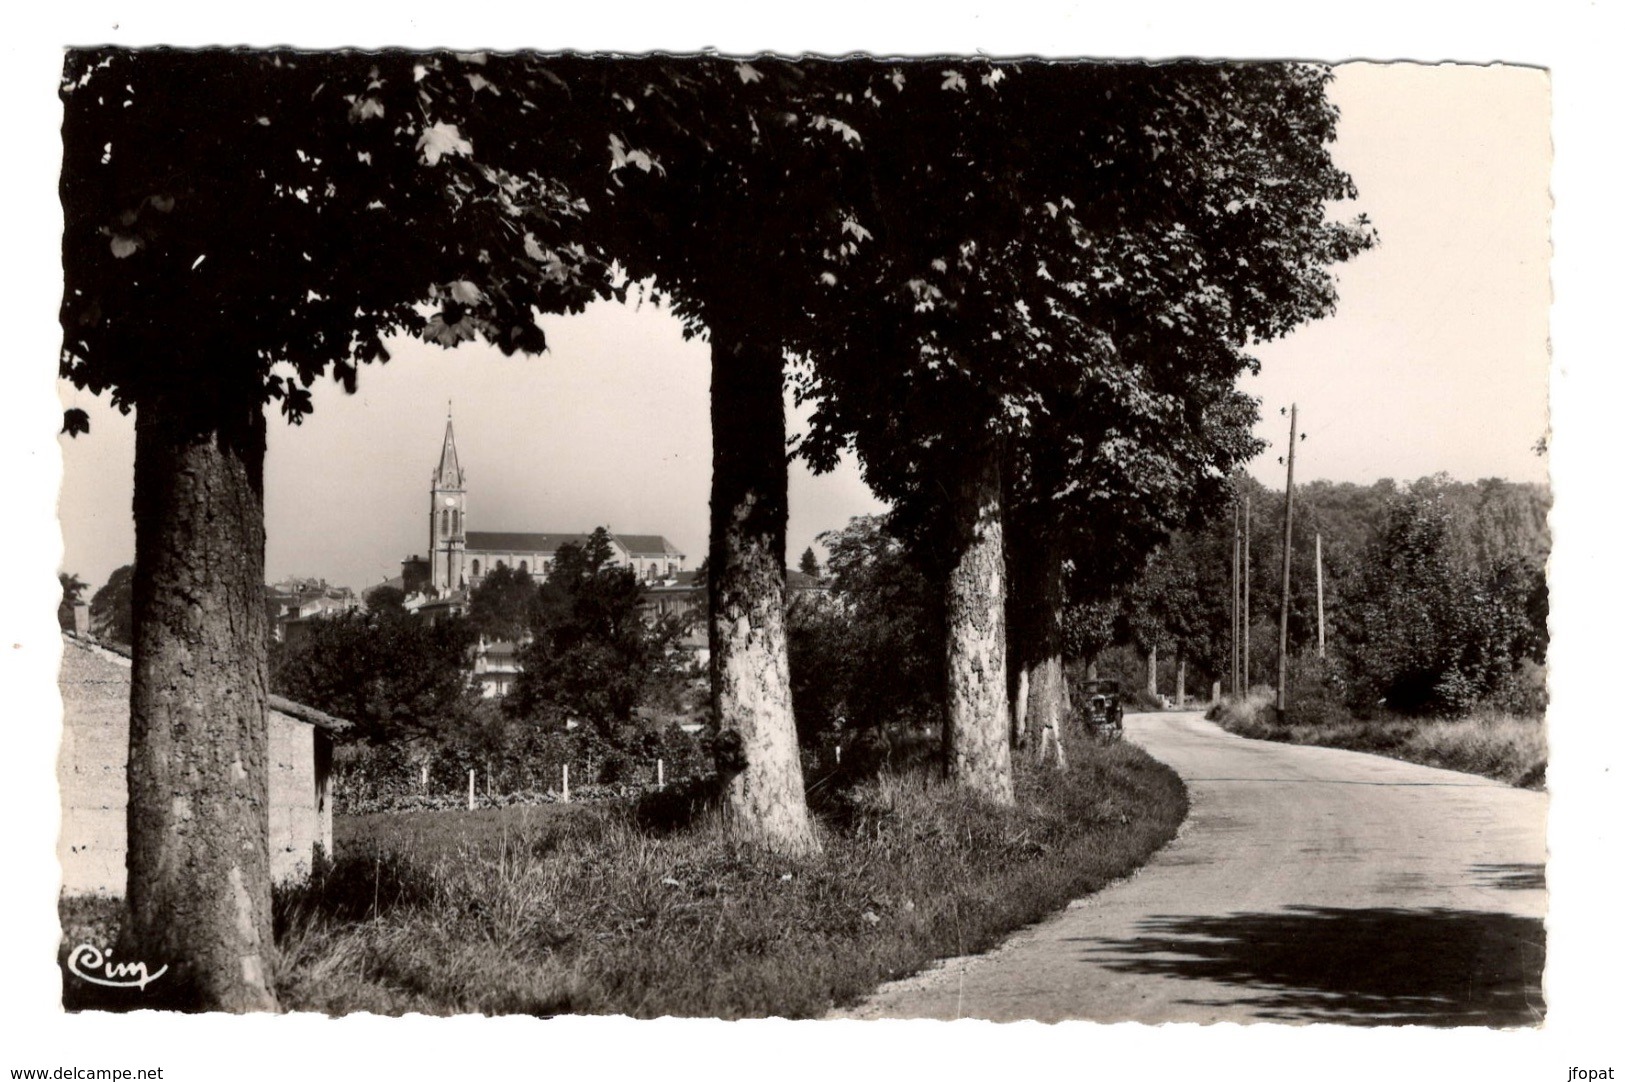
point(524, 567)
point(476, 569)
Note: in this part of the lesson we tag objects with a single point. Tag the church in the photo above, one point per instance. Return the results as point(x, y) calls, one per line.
point(459, 558)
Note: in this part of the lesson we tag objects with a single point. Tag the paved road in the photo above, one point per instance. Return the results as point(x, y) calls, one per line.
point(1308, 885)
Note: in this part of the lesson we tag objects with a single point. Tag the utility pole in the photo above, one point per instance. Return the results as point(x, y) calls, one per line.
point(1235, 603)
point(1247, 595)
point(1320, 601)
point(1286, 565)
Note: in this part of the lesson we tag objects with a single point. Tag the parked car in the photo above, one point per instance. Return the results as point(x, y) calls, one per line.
point(1102, 708)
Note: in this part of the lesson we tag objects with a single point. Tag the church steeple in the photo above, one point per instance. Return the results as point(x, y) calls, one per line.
point(447, 502)
point(450, 474)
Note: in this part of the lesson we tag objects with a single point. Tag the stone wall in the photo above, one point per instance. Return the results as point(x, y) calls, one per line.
point(95, 686)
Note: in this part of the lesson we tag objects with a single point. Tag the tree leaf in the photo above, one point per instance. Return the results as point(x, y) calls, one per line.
point(440, 139)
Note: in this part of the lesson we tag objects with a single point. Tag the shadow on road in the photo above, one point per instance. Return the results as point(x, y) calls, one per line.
point(1375, 967)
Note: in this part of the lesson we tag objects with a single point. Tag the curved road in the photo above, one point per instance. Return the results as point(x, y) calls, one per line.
point(1308, 885)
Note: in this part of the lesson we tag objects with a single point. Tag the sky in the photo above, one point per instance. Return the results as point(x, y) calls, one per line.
point(1436, 360)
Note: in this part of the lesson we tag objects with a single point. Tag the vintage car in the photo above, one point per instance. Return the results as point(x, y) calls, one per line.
point(1102, 708)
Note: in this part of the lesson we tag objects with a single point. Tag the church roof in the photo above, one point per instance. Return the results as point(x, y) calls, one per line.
point(450, 474)
point(499, 541)
point(646, 544)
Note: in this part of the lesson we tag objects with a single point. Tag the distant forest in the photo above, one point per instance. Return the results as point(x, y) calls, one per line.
point(1434, 595)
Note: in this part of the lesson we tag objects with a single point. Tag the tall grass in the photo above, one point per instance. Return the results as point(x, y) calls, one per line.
point(1491, 743)
point(597, 914)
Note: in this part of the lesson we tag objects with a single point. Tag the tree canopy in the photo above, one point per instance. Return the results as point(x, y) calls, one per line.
point(111, 607)
point(310, 206)
point(590, 652)
point(1078, 253)
point(393, 676)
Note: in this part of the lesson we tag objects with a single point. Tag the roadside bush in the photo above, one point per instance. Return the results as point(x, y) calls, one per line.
point(1316, 691)
point(1525, 693)
point(1492, 744)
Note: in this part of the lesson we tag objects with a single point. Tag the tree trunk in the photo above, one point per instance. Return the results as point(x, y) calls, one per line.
point(199, 889)
point(750, 661)
point(1151, 672)
point(976, 735)
point(1036, 631)
point(1179, 676)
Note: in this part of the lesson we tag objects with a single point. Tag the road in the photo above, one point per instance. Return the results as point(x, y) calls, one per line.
point(1307, 885)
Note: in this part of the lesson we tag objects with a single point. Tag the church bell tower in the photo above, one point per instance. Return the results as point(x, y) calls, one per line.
point(447, 502)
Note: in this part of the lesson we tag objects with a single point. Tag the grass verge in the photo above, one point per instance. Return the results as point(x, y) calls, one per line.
point(1492, 744)
point(595, 913)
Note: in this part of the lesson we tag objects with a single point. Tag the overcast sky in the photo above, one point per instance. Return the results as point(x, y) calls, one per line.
point(1436, 360)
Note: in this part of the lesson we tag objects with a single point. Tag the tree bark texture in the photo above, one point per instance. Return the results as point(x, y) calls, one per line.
point(750, 661)
point(976, 735)
point(1151, 672)
point(1038, 635)
point(199, 880)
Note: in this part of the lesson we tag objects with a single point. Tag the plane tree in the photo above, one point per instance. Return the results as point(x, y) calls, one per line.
point(236, 225)
point(726, 187)
point(1104, 239)
point(1091, 500)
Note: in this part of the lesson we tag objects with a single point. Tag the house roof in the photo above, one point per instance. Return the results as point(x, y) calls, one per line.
point(80, 667)
point(682, 580)
point(800, 580)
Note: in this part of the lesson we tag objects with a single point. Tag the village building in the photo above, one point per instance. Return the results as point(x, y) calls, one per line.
point(459, 558)
point(292, 602)
point(95, 685)
point(440, 584)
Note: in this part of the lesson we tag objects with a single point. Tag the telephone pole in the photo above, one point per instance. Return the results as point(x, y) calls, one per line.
point(1235, 601)
point(1247, 594)
point(1286, 565)
point(1320, 601)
